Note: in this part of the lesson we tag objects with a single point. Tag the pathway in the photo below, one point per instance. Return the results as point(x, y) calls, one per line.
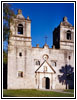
point(54, 90)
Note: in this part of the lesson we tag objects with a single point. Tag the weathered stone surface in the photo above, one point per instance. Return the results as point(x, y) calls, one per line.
point(50, 71)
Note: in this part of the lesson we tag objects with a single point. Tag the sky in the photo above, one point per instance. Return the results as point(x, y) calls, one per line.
point(44, 18)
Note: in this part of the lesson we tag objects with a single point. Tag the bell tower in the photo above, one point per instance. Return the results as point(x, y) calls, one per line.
point(19, 44)
point(20, 29)
point(63, 35)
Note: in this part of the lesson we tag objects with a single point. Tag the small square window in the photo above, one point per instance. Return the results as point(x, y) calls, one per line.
point(20, 54)
point(69, 57)
point(37, 62)
point(20, 74)
point(54, 63)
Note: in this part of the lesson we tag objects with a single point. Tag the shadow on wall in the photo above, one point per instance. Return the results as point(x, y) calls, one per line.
point(67, 76)
point(5, 76)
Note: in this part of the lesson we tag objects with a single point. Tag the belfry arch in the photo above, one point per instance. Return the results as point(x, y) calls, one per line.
point(20, 29)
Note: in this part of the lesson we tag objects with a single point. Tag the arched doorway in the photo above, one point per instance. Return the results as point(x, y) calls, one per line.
point(47, 83)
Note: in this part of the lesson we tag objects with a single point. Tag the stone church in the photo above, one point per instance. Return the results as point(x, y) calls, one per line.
point(40, 68)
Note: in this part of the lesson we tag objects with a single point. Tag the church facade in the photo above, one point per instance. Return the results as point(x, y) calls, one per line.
point(40, 68)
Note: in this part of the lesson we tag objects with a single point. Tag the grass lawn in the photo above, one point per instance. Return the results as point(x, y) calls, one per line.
point(70, 90)
point(34, 93)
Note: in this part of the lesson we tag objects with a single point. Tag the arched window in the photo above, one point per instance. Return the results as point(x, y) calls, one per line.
point(20, 29)
point(68, 35)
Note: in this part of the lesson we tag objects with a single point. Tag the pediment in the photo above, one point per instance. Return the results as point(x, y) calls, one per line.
point(45, 67)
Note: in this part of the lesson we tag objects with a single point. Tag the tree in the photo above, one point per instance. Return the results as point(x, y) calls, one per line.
point(8, 14)
point(4, 69)
point(7, 17)
point(67, 76)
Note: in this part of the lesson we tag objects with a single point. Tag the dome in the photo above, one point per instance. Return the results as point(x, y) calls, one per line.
point(19, 15)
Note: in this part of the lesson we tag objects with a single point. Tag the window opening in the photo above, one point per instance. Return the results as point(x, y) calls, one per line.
point(55, 63)
point(37, 62)
point(69, 57)
point(20, 54)
point(20, 74)
point(20, 29)
point(69, 35)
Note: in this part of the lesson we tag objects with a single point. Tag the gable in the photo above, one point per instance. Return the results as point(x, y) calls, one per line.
point(45, 67)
